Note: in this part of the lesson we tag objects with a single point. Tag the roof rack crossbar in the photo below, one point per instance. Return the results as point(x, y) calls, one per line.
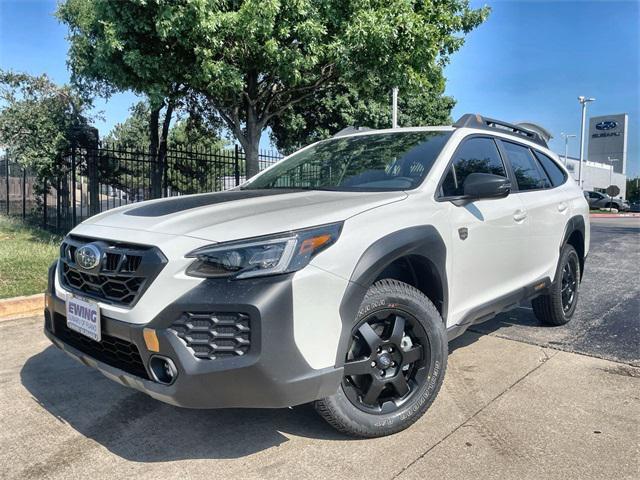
point(472, 120)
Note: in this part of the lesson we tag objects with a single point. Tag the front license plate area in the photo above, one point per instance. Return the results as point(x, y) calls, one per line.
point(84, 317)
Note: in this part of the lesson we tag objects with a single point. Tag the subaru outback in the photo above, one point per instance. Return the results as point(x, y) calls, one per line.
point(336, 277)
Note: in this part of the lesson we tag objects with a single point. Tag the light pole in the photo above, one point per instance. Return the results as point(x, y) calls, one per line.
point(583, 101)
point(394, 108)
point(566, 145)
point(611, 160)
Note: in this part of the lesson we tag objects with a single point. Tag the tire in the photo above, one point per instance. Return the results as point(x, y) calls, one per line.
point(552, 308)
point(392, 309)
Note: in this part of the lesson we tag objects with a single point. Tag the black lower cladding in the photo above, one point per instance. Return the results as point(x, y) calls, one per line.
point(270, 373)
point(113, 351)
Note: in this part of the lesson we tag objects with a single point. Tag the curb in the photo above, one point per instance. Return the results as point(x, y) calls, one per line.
point(615, 215)
point(21, 306)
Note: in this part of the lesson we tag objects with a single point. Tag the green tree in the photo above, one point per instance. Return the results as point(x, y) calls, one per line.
point(185, 133)
point(633, 189)
point(38, 120)
point(319, 118)
point(248, 62)
point(134, 131)
point(120, 46)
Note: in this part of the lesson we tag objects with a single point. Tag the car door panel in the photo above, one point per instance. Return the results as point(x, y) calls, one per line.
point(488, 235)
point(487, 252)
point(547, 207)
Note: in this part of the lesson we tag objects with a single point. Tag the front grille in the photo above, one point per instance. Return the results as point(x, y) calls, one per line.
point(122, 275)
point(113, 351)
point(214, 335)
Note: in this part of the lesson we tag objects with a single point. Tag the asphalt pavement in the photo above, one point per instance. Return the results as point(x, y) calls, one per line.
point(607, 320)
point(519, 401)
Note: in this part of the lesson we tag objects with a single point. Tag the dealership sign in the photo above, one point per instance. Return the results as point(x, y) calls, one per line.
point(608, 140)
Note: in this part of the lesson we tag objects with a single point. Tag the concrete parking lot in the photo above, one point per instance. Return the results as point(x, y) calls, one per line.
point(519, 401)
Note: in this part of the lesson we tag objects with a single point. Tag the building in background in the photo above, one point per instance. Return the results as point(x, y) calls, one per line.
point(606, 161)
point(597, 176)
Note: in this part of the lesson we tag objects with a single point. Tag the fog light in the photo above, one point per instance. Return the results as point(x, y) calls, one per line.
point(163, 370)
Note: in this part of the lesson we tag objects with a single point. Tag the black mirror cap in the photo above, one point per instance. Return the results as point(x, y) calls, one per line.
point(486, 185)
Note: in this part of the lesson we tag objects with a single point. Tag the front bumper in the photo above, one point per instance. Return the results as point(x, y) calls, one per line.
point(272, 373)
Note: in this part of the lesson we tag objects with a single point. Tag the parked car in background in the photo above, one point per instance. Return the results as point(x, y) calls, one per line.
point(634, 207)
point(600, 200)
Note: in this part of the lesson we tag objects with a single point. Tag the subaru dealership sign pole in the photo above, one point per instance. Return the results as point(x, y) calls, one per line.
point(583, 101)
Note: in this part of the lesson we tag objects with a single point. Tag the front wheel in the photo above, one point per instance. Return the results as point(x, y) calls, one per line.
point(394, 366)
point(558, 306)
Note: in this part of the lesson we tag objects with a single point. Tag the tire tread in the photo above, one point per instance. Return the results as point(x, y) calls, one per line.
point(336, 419)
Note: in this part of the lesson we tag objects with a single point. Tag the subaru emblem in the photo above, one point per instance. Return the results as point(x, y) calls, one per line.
point(606, 125)
point(88, 256)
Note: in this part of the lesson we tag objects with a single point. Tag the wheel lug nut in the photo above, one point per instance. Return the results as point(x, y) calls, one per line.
point(393, 364)
point(390, 349)
point(382, 372)
point(373, 364)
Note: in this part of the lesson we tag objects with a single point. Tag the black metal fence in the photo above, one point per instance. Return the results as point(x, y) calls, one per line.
point(92, 180)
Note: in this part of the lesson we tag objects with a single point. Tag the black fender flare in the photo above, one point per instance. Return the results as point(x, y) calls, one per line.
point(575, 223)
point(423, 241)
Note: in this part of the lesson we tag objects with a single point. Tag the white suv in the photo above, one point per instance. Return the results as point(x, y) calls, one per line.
point(337, 276)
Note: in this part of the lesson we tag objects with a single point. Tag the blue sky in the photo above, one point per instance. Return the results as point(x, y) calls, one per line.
point(529, 61)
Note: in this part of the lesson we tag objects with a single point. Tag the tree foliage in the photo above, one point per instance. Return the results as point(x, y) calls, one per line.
point(249, 62)
point(319, 118)
point(38, 120)
point(185, 133)
point(633, 190)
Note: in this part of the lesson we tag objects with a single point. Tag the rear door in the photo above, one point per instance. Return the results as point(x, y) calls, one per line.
point(545, 204)
point(488, 236)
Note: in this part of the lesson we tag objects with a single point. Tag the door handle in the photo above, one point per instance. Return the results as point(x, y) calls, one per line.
point(562, 207)
point(520, 215)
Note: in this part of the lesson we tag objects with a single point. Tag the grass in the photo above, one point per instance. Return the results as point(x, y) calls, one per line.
point(25, 255)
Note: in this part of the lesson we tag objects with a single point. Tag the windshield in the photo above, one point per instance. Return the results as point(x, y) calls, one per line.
point(386, 161)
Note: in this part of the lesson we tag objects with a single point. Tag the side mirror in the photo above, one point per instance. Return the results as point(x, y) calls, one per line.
point(486, 185)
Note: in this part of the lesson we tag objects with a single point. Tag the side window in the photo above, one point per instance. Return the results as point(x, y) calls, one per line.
point(476, 155)
point(526, 168)
point(554, 172)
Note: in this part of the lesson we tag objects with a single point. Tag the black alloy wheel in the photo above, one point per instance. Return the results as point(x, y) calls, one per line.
point(569, 283)
point(558, 304)
point(386, 360)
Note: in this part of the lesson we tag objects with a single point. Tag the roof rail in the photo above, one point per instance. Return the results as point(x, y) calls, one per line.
point(349, 130)
point(472, 120)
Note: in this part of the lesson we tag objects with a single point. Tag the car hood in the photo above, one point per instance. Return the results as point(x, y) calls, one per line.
point(237, 214)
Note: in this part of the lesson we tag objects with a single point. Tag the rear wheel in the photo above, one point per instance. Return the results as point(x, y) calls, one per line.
point(394, 366)
point(558, 306)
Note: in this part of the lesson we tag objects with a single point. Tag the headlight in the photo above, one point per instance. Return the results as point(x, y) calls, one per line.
point(260, 256)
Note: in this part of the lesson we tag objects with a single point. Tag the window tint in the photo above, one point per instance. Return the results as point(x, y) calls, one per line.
point(554, 172)
point(476, 155)
point(528, 172)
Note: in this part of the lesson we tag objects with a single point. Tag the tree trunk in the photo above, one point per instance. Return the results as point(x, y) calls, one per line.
point(155, 172)
point(251, 158)
point(251, 144)
point(162, 148)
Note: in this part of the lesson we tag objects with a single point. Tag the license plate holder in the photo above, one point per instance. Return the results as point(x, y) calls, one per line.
point(83, 316)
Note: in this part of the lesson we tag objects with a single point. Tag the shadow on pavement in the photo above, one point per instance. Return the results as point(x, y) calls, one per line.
point(521, 317)
point(136, 427)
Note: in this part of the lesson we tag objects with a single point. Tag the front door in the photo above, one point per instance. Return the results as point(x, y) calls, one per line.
point(488, 236)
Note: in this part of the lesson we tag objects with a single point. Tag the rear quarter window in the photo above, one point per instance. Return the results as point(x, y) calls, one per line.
point(527, 170)
point(555, 173)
